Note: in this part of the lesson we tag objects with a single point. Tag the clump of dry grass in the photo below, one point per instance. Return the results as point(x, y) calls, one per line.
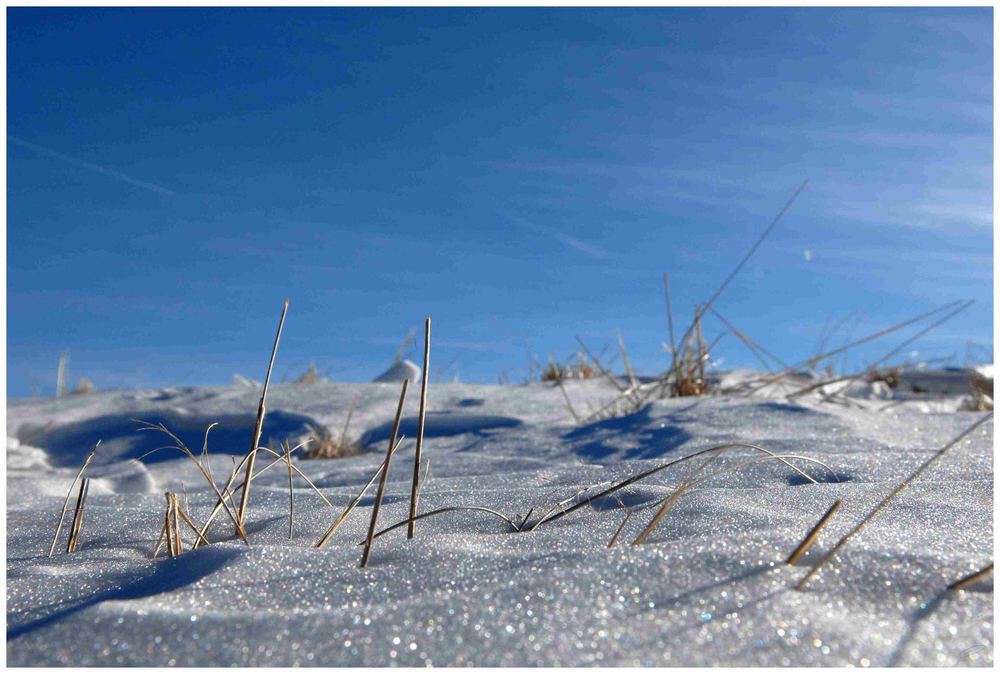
point(557, 372)
point(981, 398)
point(310, 376)
point(326, 445)
point(83, 387)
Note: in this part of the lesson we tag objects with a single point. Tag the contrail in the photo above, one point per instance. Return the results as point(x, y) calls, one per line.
point(89, 166)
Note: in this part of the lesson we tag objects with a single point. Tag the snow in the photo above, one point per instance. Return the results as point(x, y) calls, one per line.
point(709, 588)
point(398, 371)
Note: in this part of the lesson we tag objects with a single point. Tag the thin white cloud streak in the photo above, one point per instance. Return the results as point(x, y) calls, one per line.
point(588, 249)
point(90, 166)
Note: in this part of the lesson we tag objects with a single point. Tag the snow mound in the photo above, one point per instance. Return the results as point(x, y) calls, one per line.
point(400, 370)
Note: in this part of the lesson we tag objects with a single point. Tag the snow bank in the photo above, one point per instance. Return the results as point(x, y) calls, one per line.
point(709, 588)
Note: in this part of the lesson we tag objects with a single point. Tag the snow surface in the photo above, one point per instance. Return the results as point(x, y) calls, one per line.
point(710, 587)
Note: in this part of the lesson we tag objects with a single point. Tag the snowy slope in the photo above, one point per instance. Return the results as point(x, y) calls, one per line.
point(709, 587)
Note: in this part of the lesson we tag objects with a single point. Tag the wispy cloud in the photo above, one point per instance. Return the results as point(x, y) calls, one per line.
point(90, 166)
point(588, 249)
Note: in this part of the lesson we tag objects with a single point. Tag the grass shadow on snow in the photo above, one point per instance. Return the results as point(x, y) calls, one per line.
point(649, 438)
point(167, 576)
point(440, 424)
point(69, 444)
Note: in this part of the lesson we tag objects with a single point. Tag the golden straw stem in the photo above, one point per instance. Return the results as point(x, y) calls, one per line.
point(971, 578)
point(813, 534)
point(259, 423)
point(385, 475)
point(420, 426)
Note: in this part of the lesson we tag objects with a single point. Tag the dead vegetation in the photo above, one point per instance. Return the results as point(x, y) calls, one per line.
point(686, 377)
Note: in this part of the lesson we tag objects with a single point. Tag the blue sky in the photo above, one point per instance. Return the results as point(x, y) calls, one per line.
point(523, 175)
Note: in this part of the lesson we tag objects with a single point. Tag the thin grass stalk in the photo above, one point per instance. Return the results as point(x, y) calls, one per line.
point(701, 354)
point(204, 451)
point(972, 577)
point(851, 377)
point(424, 381)
point(424, 473)
point(178, 541)
point(569, 405)
point(291, 498)
point(385, 474)
point(621, 527)
point(668, 503)
point(670, 317)
point(259, 424)
point(191, 525)
point(628, 364)
point(159, 541)
point(77, 524)
point(652, 471)
point(812, 360)
point(227, 493)
point(813, 534)
point(600, 368)
point(62, 514)
point(895, 492)
point(439, 511)
point(520, 527)
point(562, 503)
point(347, 423)
point(357, 499)
point(170, 536)
point(755, 348)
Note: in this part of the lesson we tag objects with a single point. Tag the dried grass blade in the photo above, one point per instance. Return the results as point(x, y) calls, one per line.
point(668, 503)
point(259, 425)
point(291, 498)
point(62, 514)
point(385, 475)
point(971, 578)
point(353, 504)
point(670, 317)
point(813, 534)
point(77, 524)
point(621, 527)
point(424, 381)
point(652, 471)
